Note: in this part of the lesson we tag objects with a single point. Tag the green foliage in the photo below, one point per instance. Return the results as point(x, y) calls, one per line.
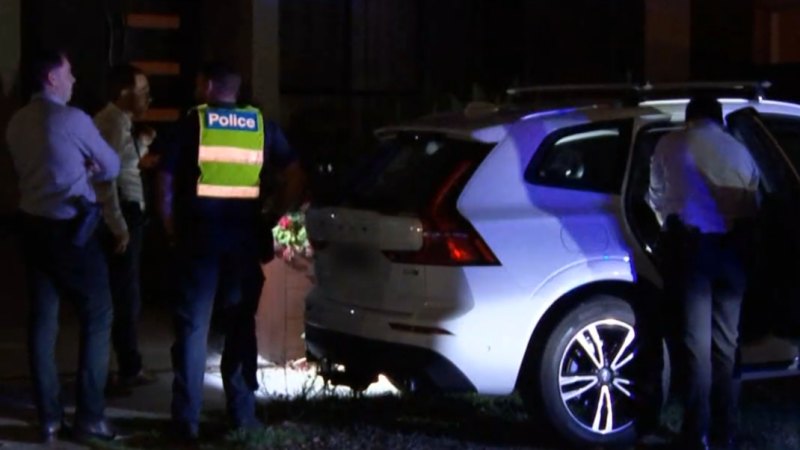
point(290, 237)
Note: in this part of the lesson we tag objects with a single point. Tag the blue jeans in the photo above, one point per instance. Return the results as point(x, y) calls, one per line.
point(705, 279)
point(234, 278)
point(57, 269)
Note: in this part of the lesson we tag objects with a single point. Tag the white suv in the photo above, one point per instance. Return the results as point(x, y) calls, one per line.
point(507, 249)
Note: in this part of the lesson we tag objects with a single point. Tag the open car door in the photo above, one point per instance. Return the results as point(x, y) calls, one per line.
point(772, 305)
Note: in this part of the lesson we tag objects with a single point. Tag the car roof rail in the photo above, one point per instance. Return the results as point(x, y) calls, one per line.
point(632, 94)
point(558, 88)
point(582, 93)
point(750, 90)
point(479, 109)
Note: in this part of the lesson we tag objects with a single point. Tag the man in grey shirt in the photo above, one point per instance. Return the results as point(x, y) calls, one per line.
point(57, 153)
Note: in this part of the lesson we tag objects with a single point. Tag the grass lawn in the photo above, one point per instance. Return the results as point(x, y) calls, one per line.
point(770, 420)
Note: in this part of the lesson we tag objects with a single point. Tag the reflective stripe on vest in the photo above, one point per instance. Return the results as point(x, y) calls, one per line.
point(207, 190)
point(214, 153)
point(230, 155)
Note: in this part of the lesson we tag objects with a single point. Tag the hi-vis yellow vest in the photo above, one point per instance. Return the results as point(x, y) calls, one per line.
point(231, 152)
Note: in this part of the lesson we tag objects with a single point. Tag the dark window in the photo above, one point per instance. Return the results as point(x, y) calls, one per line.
point(786, 130)
point(408, 170)
point(588, 157)
point(640, 216)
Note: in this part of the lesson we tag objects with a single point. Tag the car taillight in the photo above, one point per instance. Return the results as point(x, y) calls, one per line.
point(448, 239)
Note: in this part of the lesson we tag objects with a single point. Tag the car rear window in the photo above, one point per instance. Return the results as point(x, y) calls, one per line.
point(406, 171)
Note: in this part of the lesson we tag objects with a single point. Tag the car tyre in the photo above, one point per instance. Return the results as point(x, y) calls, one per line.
point(601, 380)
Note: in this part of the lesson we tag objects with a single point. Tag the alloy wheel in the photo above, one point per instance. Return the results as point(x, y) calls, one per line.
point(595, 376)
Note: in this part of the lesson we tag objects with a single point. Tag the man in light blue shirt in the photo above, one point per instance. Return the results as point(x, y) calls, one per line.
point(57, 153)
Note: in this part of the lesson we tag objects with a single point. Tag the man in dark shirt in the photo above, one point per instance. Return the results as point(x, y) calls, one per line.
point(220, 227)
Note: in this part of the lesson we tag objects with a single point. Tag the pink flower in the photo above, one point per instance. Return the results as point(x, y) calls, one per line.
point(285, 222)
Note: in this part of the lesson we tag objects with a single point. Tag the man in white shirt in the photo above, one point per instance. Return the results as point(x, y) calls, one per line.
point(57, 154)
point(123, 214)
point(704, 190)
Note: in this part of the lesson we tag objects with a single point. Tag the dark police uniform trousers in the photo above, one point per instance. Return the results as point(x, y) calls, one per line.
point(705, 279)
point(216, 261)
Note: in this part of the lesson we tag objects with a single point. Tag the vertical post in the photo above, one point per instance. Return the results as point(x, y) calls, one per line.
point(265, 72)
point(774, 38)
point(667, 40)
point(266, 56)
point(10, 32)
point(10, 51)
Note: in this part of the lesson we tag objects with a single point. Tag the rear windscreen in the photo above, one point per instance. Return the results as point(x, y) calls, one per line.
point(407, 170)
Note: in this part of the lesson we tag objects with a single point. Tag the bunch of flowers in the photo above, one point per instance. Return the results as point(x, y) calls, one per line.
point(290, 237)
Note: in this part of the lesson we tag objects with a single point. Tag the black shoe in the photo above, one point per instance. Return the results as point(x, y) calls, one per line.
point(115, 390)
point(100, 430)
point(186, 433)
point(691, 443)
point(729, 443)
point(250, 425)
point(50, 431)
point(659, 438)
point(141, 378)
point(724, 439)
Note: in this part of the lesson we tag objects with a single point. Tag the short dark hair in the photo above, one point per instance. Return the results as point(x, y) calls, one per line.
point(222, 75)
point(704, 107)
point(121, 77)
point(41, 63)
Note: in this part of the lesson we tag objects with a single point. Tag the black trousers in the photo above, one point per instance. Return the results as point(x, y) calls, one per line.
point(125, 278)
point(230, 275)
point(705, 281)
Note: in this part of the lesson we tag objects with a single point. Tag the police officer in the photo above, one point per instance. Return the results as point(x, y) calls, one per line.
point(215, 191)
point(703, 189)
